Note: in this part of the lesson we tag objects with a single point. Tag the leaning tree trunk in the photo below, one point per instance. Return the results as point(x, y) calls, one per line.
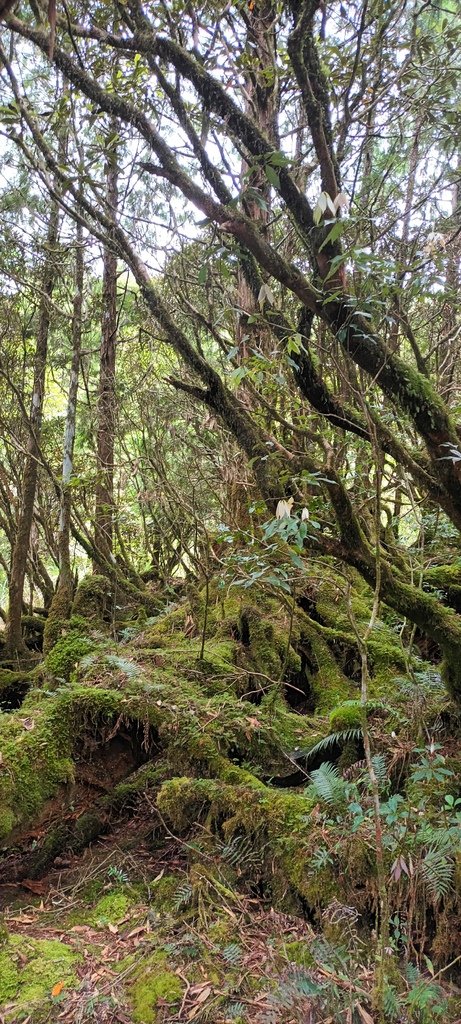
point(62, 598)
point(20, 550)
point(104, 491)
point(449, 343)
point(261, 100)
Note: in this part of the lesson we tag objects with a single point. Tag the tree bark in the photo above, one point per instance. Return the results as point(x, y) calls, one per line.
point(104, 505)
point(15, 643)
point(62, 598)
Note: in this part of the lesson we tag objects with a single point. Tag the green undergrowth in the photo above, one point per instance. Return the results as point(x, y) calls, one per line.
point(213, 709)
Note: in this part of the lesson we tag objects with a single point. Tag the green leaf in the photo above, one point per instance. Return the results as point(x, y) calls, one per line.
point(271, 176)
point(334, 234)
point(278, 159)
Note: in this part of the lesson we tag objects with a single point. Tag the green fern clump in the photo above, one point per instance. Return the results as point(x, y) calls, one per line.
point(328, 784)
point(130, 668)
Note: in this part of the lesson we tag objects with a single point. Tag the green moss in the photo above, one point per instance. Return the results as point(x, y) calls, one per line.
point(37, 745)
point(298, 952)
point(65, 655)
point(58, 616)
point(277, 822)
point(92, 599)
point(35, 761)
point(9, 976)
point(110, 909)
point(259, 636)
point(29, 968)
point(451, 677)
point(164, 892)
point(346, 716)
point(154, 985)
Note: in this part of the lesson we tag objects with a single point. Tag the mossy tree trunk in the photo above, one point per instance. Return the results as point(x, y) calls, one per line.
point(104, 491)
point(20, 550)
point(62, 598)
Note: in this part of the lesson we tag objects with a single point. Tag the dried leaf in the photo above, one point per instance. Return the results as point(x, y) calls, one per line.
point(137, 931)
point(57, 989)
point(201, 998)
point(28, 723)
point(341, 201)
point(364, 1015)
point(33, 886)
point(23, 919)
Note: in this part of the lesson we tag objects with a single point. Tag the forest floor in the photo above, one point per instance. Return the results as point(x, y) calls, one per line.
point(165, 854)
point(110, 936)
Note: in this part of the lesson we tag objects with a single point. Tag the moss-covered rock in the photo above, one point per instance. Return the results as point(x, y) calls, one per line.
point(65, 655)
point(348, 715)
point(92, 600)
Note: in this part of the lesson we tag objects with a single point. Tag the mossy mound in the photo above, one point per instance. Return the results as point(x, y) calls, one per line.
point(110, 909)
point(29, 970)
point(154, 986)
point(63, 658)
point(93, 598)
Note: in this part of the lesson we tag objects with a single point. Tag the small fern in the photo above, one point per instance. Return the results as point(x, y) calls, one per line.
point(232, 954)
point(235, 1011)
point(240, 852)
point(437, 871)
point(295, 986)
point(324, 745)
point(391, 1003)
point(183, 896)
point(380, 768)
point(328, 783)
point(123, 665)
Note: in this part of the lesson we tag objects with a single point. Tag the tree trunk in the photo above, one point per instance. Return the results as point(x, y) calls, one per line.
point(104, 505)
point(20, 551)
point(62, 599)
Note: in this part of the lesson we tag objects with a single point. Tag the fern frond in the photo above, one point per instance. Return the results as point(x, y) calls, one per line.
point(234, 1011)
point(296, 985)
point(232, 953)
point(380, 768)
point(240, 852)
point(328, 783)
point(182, 896)
point(123, 665)
point(325, 744)
point(437, 871)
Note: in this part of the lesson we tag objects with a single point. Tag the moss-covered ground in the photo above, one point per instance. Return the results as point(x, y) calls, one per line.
point(200, 731)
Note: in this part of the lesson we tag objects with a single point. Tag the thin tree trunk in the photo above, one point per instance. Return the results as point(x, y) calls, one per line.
point(62, 599)
point(104, 491)
point(20, 551)
point(450, 340)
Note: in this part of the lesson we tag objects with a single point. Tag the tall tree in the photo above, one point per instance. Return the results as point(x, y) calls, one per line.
point(104, 490)
point(20, 549)
point(62, 598)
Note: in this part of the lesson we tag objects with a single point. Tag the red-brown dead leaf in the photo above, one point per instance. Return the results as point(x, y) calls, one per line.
point(38, 887)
